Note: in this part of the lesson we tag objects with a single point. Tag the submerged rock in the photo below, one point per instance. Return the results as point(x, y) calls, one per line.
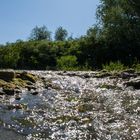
point(15, 106)
point(7, 134)
point(34, 93)
point(127, 75)
point(17, 97)
point(29, 87)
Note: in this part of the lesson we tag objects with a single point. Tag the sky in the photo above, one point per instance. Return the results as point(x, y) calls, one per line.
point(19, 17)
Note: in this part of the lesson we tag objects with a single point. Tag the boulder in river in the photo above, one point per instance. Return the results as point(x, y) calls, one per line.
point(34, 93)
point(9, 91)
point(135, 83)
point(27, 76)
point(127, 74)
point(7, 75)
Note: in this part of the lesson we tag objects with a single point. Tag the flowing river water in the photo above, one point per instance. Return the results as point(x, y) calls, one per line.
point(72, 106)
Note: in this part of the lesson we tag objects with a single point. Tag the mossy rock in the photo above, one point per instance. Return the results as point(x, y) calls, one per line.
point(19, 82)
point(103, 75)
point(1, 122)
point(65, 118)
point(85, 107)
point(9, 85)
point(7, 75)
point(2, 83)
point(86, 120)
point(28, 77)
point(25, 122)
point(110, 87)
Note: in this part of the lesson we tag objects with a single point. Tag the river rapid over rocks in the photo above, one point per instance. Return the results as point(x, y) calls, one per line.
point(73, 106)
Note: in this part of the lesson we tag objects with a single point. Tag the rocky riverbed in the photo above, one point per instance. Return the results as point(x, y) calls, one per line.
point(63, 105)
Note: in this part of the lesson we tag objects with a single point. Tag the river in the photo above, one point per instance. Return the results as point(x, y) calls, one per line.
point(72, 106)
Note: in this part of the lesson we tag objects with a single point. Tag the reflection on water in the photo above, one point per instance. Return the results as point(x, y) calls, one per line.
point(70, 106)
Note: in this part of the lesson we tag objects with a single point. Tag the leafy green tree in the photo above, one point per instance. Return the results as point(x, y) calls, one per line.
point(136, 6)
point(47, 56)
point(9, 56)
point(40, 33)
point(60, 34)
point(119, 23)
point(119, 19)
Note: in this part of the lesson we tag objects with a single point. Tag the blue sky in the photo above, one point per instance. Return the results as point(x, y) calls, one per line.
point(19, 17)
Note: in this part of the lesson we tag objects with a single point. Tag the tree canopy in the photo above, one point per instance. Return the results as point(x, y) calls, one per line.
point(40, 33)
point(61, 34)
point(119, 23)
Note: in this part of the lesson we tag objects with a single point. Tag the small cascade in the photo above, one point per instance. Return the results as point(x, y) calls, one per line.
point(72, 105)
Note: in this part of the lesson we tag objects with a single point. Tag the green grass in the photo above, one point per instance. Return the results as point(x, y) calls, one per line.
point(114, 66)
point(136, 67)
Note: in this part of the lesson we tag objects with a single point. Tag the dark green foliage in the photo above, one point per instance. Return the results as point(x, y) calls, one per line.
point(119, 23)
point(116, 38)
point(40, 33)
point(68, 62)
point(37, 55)
point(9, 56)
point(116, 66)
point(60, 34)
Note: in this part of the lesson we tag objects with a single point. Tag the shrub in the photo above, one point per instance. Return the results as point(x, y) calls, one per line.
point(114, 66)
point(68, 62)
point(137, 67)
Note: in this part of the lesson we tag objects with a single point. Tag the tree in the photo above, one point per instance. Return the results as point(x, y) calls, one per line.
point(40, 33)
point(60, 34)
point(136, 5)
point(119, 21)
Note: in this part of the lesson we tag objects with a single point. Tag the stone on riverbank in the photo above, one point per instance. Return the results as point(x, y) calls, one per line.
point(18, 80)
point(7, 75)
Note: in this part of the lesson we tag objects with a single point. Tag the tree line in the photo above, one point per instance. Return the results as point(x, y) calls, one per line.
point(115, 38)
point(42, 33)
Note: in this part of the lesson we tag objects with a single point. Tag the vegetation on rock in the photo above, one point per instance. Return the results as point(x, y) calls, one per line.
point(20, 80)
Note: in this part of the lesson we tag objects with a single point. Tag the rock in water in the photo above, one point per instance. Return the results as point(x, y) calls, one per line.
point(135, 83)
point(9, 91)
point(7, 75)
point(34, 93)
point(27, 76)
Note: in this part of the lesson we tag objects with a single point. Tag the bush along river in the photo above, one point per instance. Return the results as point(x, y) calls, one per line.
point(68, 105)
